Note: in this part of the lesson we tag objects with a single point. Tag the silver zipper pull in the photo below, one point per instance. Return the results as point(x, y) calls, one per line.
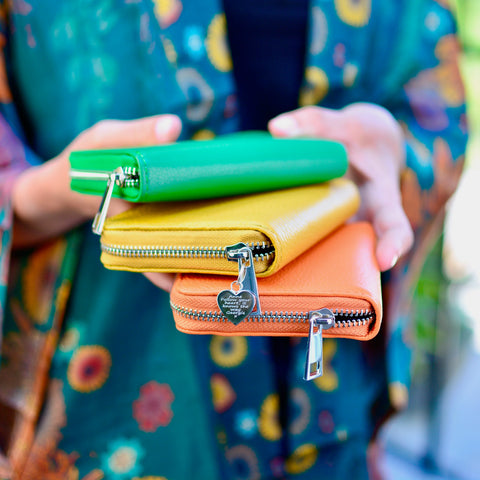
point(246, 268)
point(319, 320)
point(239, 302)
point(117, 177)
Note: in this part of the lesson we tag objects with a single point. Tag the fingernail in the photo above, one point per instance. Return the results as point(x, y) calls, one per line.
point(394, 261)
point(286, 125)
point(164, 127)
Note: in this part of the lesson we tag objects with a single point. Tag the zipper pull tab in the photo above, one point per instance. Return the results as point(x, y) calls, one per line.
point(237, 305)
point(319, 320)
point(117, 177)
point(246, 271)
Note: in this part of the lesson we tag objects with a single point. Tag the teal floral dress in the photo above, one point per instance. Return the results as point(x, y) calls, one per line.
point(95, 381)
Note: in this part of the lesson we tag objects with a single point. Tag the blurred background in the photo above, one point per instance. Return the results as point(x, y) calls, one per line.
point(438, 436)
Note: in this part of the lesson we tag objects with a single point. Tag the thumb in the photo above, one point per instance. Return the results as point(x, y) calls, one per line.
point(145, 131)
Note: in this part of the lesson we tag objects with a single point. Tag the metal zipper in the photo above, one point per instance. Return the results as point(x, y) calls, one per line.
point(121, 176)
point(131, 178)
point(343, 318)
point(260, 251)
point(319, 320)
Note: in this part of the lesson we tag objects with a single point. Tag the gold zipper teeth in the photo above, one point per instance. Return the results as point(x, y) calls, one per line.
point(354, 318)
point(180, 252)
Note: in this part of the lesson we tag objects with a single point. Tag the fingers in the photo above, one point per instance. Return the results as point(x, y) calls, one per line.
point(129, 133)
point(394, 235)
point(317, 122)
point(161, 280)
point(374, 144)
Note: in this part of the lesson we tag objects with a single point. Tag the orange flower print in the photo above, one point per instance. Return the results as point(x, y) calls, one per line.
point(448, 74)
point(423, 202)
point(428, 106)
point(38, 282)
point(5, 94)
point(447, 175)
point(153, 408)
point(89, 368)
point(411, 197)
point(435, 89)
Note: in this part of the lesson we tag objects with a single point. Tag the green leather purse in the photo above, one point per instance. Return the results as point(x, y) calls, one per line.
point(240, 163)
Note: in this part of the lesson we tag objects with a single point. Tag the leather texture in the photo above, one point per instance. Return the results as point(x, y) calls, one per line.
point(292, 220)
point(339, 272)
point(234, 164)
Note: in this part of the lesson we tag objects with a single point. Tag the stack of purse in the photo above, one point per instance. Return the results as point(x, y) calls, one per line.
point(223, 213)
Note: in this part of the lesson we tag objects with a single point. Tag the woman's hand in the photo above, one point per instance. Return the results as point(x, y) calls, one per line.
point(43, 203)
point(376, 153)
point(45, 206)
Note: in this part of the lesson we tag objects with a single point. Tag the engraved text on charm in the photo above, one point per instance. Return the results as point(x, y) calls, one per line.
point(236, 306)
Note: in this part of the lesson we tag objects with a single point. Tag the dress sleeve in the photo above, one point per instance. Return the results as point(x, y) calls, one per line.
point(15, 156)
point(423, 89)
point(429, 102)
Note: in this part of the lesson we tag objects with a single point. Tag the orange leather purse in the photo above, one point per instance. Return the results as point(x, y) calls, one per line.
point(331, 290)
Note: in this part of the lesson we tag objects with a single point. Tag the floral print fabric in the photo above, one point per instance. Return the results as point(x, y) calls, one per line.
point(122, 394)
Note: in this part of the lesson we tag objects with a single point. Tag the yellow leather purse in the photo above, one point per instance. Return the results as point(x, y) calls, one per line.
point(195, 236)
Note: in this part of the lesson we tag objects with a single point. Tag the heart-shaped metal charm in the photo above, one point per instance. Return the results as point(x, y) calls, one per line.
point(236, 306)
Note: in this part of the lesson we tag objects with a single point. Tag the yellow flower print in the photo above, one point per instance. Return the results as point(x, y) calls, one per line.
point(170, 51)
point(303, 458)
point(398, 393)
point(167, 11)
point(268, 424)
point(316, 88)
point(328, 382)
point(223, 394)
point(69, 340)
point(203, 134)
point(216, 44)
point(89, 368)
point(354, 12)
point(63, 294)
point(228, 352)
